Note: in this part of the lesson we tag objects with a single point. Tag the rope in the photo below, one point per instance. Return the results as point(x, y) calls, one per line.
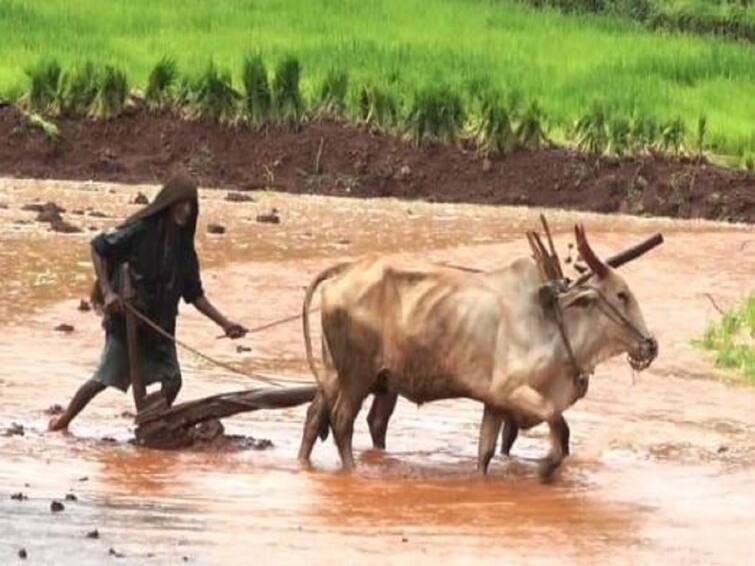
point(159, 330)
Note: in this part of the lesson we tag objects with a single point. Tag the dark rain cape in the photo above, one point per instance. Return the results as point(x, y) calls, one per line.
point(163, 268)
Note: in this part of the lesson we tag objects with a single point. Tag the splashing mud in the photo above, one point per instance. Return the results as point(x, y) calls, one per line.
point(661, 468)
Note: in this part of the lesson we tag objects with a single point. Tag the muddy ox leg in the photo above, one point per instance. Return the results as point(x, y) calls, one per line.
point(508, 436)
point(380, 413)
point(342, 416)
point(489, 429)
point(527, 401)
point(316, 424)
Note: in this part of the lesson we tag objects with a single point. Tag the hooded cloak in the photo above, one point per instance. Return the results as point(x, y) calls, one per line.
point(161, 255)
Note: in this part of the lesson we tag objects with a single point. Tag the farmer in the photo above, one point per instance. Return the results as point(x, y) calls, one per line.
point(158, 244)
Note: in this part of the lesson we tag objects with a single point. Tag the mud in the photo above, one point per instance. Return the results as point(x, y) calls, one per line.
point(359, 162)
point(662, 465)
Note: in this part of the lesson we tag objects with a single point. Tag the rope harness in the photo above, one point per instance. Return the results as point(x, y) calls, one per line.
point(549, 300)
point(160, 331)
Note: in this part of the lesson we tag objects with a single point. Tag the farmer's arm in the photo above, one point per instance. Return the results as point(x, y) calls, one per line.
point(110, 249)
point(194, 294)
point(232, 329)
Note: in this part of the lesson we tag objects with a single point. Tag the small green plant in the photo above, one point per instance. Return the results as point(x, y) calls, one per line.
point(531, 130)
point(377, 106)
point(733, 339)
point(591, 130)
point(748, 161)
point(618, 137)
point(333, 91)
point(702, 130)
point(214, 95)
point(493, 130)
point(161, 84)
point(78, 90)
point(112, 93)
point(257, 97)
point(49, 129)
point(44, 79)
point(437, 114)
point(643, 132)
point(672, 136)
point(286, 93)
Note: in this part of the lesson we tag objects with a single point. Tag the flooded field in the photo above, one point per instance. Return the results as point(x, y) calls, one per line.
point(662, 465)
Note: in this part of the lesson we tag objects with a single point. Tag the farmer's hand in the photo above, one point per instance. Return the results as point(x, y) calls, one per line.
point(234, 330)
point(112, 303)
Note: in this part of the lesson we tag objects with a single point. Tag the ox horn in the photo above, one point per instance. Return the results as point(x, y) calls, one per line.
point(593, 261)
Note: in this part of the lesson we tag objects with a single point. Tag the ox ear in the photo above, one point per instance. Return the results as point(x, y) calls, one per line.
point(580, 298)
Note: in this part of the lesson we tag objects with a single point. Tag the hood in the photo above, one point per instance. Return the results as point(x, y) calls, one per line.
point(177, 189)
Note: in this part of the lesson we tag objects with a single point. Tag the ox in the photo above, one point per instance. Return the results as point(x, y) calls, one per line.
point(427, 332)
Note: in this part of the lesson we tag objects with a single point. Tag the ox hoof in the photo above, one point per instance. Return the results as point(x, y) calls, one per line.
point(547, 469)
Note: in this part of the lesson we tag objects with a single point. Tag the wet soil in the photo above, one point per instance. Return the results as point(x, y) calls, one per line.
point(662, 465)
point(359, 162)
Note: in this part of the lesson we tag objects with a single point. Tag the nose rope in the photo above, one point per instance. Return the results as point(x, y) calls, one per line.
point(617, 314)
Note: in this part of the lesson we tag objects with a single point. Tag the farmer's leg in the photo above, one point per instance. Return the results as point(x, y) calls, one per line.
point(81, 399)
point(170, 389)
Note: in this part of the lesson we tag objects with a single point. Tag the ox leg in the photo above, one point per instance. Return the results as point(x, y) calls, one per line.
point(508, 436)
point(562, 429)
point(316, 424)
point(380, 413)
point(342, 417)
point(489, 429)
point(527, 401)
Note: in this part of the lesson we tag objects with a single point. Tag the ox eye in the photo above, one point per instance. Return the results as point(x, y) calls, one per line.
point(623, 297)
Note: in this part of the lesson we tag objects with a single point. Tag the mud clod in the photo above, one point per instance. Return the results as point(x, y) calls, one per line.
point(20, 496)
point(15, 429)
point(242, 349)
point(71, 497)
point(271, 217)
point(54, 410)
point(239, 197)
point(22, 554)
point(115, 553)
point(215, 228)
point(57, 507)
point(84, 306)
point(141, 198)
point(65, 328)
point(95, 534)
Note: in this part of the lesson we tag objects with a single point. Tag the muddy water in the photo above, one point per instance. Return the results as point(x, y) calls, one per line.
point(662, 465)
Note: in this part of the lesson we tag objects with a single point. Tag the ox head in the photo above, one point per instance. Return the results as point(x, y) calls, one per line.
point(607, 315)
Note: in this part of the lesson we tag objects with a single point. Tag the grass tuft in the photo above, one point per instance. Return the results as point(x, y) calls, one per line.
point(112, 93)
point(672, 136)
point(531, 132)
point(161, 84)
point(214, 95)
point(78, 90)
point(257, 97)
point(591, 130)
point(437, 114)
point(286, 93)
point(377, 106)
point(493, 129)
point(49, 129)
point(333, 91)
point(44, 81)
point(733, 339)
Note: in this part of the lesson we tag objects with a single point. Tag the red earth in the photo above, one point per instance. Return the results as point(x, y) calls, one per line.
point(336, 158)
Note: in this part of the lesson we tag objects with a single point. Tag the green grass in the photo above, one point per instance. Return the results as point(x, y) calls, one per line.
point(564, 62)
point(732, 339)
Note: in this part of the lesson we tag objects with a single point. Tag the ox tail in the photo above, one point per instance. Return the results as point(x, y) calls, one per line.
point(332, 271)
point(322, 276)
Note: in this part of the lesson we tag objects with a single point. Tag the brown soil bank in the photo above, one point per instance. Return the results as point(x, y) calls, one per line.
point(334, 158)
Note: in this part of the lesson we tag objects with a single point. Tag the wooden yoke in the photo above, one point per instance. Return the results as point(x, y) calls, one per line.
point(128, 293)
